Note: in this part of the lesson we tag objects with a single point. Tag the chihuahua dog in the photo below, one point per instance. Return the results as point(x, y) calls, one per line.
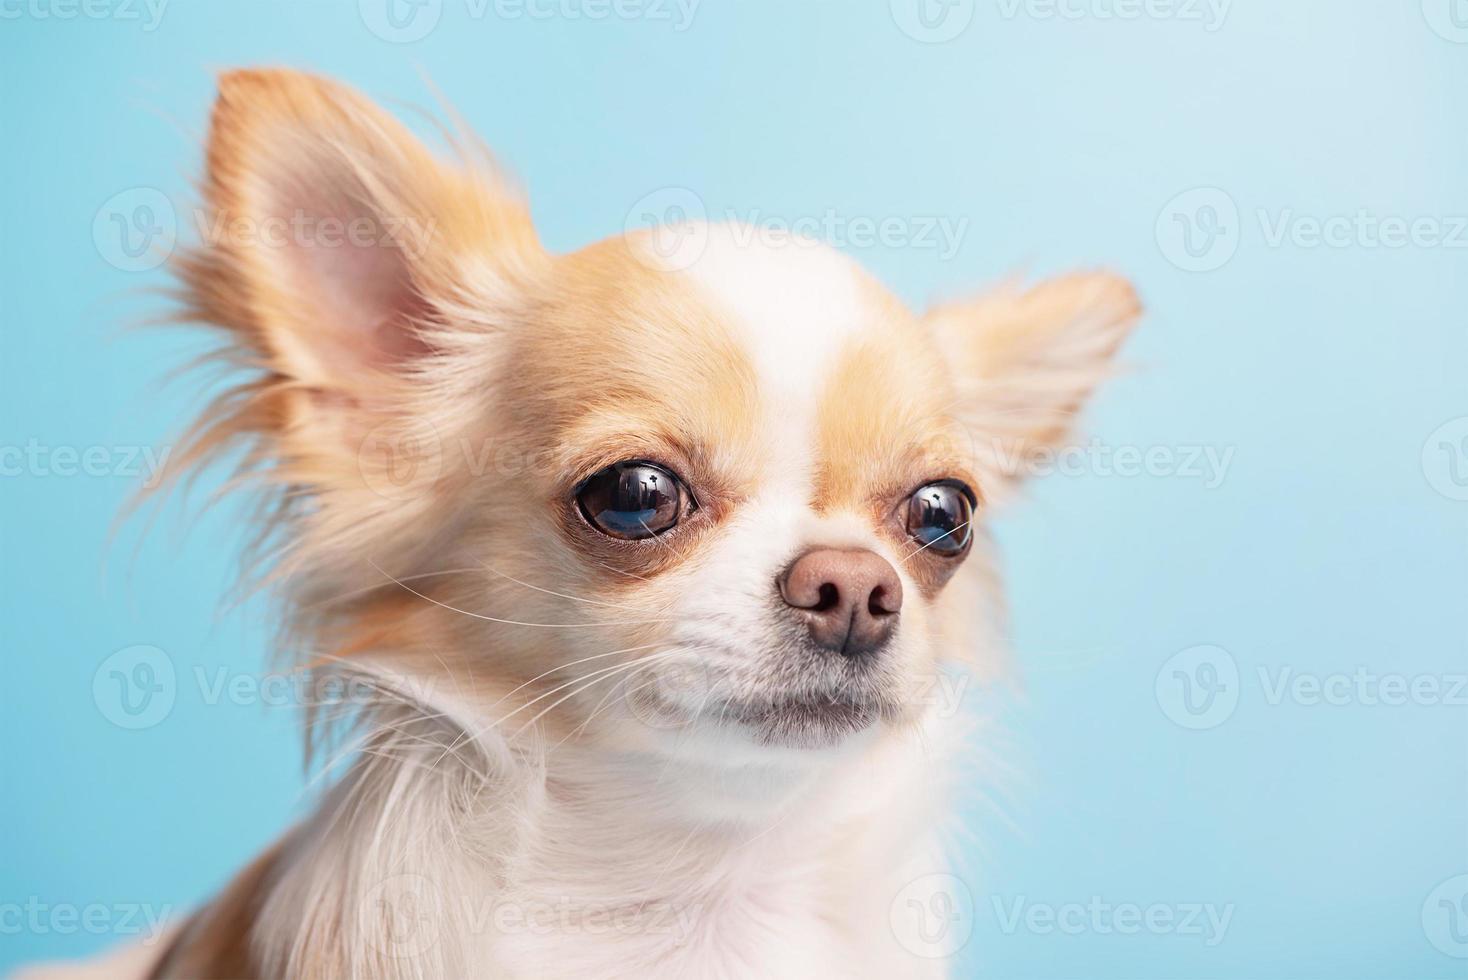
point(620, 576)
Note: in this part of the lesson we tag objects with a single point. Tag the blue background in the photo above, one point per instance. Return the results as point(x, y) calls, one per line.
point(1332, 543)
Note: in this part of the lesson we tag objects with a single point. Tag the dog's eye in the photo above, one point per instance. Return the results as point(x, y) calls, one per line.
point(940, 517)
point(634, 500)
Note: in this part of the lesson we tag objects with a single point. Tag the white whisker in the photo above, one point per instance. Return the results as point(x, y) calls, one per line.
point(607, 672)
point(933, 542)
point(562, 595)
point(510, 622)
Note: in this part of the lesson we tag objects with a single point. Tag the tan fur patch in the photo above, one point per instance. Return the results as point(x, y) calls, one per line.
point(883, 424)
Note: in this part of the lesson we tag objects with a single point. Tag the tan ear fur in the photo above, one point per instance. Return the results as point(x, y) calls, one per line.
point(1025, 361)
point(358, 352)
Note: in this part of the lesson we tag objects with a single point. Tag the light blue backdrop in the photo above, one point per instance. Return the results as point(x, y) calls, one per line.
point(1307, 297)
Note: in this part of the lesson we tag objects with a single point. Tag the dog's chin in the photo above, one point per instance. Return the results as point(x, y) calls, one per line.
point(820, 723)
point(780, 721)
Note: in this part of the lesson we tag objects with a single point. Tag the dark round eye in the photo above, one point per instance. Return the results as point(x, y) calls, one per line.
point(940, 517)
point(634, 500)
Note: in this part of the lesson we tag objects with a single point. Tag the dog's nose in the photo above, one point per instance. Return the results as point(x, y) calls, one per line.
point(848, 599)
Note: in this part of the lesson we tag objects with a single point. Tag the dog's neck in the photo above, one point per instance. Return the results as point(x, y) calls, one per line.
point(680, 859)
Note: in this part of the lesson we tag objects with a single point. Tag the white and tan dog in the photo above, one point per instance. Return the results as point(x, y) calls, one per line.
point(644, 555)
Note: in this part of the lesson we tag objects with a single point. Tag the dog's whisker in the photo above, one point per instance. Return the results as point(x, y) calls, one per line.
point(620, 571)
point(573, 663)
point(660, 540)
point(536, 588)
point(469, 736)
point(593, 675)
point(367, 589)
point(940, 537)
point(723, 711)
point(562, 595)
point(608, 673)
point(512, 622)
point(646, 664)
point(605, 697)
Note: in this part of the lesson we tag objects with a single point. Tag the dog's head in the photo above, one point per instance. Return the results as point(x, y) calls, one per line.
point(700, 479)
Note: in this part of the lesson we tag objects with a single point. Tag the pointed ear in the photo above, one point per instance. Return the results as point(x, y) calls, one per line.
point(1026, 360)
point(335, 243)
point(361, 283)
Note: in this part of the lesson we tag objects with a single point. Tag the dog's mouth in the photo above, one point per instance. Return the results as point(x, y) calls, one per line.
point(808, 713)
point(813, 722)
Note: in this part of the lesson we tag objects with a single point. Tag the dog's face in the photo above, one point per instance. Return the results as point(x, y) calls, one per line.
point(752, 461)
point(731, 488)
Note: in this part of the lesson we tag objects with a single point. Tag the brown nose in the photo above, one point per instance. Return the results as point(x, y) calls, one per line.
point(848, 599)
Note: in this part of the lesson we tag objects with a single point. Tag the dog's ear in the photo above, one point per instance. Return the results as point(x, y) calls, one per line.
point(336, 244)
point(363, 282)
point(1025, 361)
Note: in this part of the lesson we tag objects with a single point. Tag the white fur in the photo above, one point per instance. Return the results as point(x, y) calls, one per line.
point(746, 860)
